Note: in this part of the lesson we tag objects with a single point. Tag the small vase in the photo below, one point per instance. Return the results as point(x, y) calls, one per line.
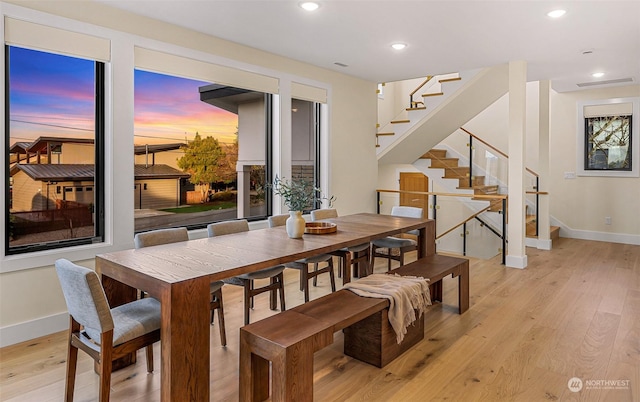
point(295, 224)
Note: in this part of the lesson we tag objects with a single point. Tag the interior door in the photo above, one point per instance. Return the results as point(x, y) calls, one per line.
point(412, 181)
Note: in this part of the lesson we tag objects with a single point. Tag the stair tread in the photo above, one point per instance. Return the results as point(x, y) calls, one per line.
point(433, 94)
point(400, 121)
point(382, 134)
point(415, 108)
point(450, 79)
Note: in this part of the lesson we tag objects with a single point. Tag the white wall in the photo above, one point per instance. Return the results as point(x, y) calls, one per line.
point(31, 303)
point(578, 205)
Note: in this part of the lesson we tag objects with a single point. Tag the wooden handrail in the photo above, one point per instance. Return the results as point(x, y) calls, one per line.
point(461, 223)
point(483, 196)
point(495, 149)
point(429, 77)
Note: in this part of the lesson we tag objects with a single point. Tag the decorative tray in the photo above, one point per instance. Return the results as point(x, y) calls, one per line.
point(320, 227)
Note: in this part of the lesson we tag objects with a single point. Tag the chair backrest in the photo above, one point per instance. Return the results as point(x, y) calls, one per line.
point(319, 214)
point(278, 220)
point(160, 236)
point(85, 297)
point(409, 212)
point(227, 227)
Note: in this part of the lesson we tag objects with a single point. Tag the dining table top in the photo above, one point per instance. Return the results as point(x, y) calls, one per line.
point(226, 256)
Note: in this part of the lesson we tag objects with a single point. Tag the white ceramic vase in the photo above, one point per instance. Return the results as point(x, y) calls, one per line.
point(295, 224)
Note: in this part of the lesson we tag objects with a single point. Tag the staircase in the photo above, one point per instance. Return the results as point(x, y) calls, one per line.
point(439, 160)
point(449, 103)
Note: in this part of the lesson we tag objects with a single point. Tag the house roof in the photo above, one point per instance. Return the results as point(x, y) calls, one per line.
point(76, 172)
point(158, 172)
point(40, 144)
point(143, 149)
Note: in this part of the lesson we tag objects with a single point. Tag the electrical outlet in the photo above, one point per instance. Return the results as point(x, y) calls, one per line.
point(607, 220)
point(569, 175)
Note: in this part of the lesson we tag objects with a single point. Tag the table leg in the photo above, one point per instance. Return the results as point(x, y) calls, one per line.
point(185, 341)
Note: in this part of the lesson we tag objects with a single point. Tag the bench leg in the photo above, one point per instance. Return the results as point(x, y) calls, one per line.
point(254, 374)
point(435, 289)
point(463, 289)
point(292, 375)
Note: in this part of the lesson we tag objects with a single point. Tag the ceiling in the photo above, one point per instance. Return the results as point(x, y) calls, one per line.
point(442, 36)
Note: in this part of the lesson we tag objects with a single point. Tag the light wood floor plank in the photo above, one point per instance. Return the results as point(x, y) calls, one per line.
point(574, 311)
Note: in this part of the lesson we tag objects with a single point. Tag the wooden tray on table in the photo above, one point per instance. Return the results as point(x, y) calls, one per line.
point(320, 227)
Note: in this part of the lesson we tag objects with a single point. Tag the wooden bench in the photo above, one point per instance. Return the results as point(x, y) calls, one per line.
point(288, 340)
point(437, 267)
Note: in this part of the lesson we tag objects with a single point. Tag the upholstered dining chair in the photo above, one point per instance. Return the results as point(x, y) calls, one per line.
point(104, 333)
point(174, 235)
point(359, 254)
point(247, 280)
point(396, 243)
point(303, 264)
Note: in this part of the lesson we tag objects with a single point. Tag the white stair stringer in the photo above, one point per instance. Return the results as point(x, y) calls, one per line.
point(475, 92)
point(430, 103)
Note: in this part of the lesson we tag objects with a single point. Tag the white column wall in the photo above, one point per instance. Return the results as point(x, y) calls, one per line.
point(516, 255)
point(544, 110)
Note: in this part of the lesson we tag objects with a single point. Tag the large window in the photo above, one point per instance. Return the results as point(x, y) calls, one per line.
point(54, 146)
point(200, 152)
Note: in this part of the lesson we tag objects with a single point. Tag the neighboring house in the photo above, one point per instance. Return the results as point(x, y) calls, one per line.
point(39, 187)
point(61, 169)
point(158, 186)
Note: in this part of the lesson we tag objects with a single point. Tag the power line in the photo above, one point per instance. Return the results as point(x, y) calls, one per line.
point(51, 125)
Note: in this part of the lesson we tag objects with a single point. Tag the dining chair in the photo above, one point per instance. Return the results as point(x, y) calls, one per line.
point(275, 274)
point(174, 235)
point(303, 264)
point(402, 245)
point(360, 254)
point(104, 333)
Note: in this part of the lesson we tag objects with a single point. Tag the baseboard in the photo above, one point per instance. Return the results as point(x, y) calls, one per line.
point(28, 330)
point(623, 238)
point(516, 261)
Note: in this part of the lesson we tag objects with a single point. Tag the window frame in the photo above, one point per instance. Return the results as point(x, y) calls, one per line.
point(99, 164)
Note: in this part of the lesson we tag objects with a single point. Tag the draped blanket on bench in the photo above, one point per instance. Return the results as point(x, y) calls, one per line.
point(406, 294)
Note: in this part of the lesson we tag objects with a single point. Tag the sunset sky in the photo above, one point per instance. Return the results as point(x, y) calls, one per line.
point(52, 95)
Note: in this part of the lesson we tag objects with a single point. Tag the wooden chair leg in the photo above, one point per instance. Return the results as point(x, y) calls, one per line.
point(248, 300)
point(72, 363)
point(106, 347)
point(273, 296)
point(315, 277)
point(223, 332)
point(149, 350)
point(281, 290)
point(332, 278)
point(305, 283)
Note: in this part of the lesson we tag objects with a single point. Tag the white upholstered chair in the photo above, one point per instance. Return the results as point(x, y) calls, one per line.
point(174, 235)
point(360, 254)
point(303, 264)
point(104, 333)
point(396, 243)
point(247, 280)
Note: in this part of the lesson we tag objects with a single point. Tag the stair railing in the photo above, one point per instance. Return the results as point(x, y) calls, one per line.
point(433, 206)
point(413, 104)
point(535, 175)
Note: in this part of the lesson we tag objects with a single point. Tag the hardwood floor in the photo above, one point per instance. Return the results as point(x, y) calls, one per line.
point(573, 312)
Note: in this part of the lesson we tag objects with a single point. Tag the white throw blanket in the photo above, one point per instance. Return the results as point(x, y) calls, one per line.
point(405, 293)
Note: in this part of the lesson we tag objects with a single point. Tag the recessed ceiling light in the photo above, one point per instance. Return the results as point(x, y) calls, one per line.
point(556, 13)
point(310, 5)
point(597, 75)
point(399, 46)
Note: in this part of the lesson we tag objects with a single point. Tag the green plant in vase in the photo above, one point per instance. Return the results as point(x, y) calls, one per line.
point(298, 195)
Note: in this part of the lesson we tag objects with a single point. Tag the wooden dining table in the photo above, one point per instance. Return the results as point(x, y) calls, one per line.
point(179, 274)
